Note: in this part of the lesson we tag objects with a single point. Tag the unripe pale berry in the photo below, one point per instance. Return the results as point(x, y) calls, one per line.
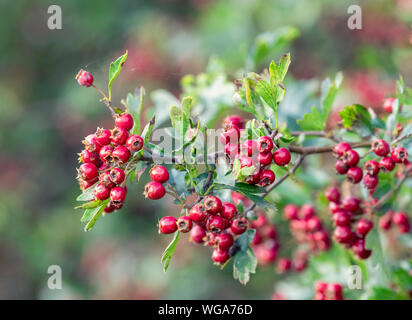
point(154, 190)
point(184, 224)
point(134, 143)
point(124, 120)
point(354, 175)
point(380, 147)
point(167, 225)
point(84, 78)
point(281, 156)
point(212, 204)
point(159, 174)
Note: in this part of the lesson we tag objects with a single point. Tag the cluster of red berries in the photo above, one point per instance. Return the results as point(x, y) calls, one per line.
point(264, 244)
point(328, 291)
point(348, 160)
point(155, 190)
point(210, 222)
point(345, 214)
point(257, 153)
point(104, 159)
point(399, 219)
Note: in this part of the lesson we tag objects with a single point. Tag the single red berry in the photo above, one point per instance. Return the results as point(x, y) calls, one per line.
point(359, 249)
point(159, 174)
point(254, 177)
point(231, 134)
point(371, 167)
point(224, 241)
point(340, 149)
point(118, 194)
point(249, 148)
point(260, 221)
point(268, 231)
point(334, 207)
point(88, 171)
point(313, 224)
point(332, 194)
point(105, 153)
point(117, 175)
point(386, 164)
point(342, 234)
point(342, 218)
point(219, 256)
point(86, 156)
point(84, 78)
point(404, 228)
point(233, 120)
point(198, 234)
point(399, 155)
point(385, 221)
point(290, 212)
point(266, 252)
point(264, 159)
point(239, 225)
point(198, 213)
point(306, 212)
point(103, 136)
point(212, 204)
point(265, 144)
point(266, 177)
point(370, 182)
point(336, 290)
point(119, 135)
point(86, 184)
point(283, 265)
point(351, 158)
point(281, 156)
point(354, 175)
point(380, 147)
point(184, 224)
point(300, 264)
point(341, 167)
point(90, 142)
point(245, 161)
point(167, 225)
point(363, 227)
point(101, 192)
point(400, 218)
point(124, 120)
point(228, 210)
point(231, 150)
point(121, 154)
point(134, 143)
point(257, 239)
point(154, 190)
point(388, 104)
point(321, 286)
point(351, 204)
point(106, 180)
point(215, 224)
point(109, 208)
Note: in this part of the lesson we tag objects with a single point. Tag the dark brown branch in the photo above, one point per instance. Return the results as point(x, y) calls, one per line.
point(326, 149)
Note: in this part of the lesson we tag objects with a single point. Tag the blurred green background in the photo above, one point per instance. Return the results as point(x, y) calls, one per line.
point(45, 115)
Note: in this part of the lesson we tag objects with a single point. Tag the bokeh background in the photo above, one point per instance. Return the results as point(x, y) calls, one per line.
point(45, 115)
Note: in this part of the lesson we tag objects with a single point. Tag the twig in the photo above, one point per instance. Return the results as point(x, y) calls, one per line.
point(105, 100)
point(311, 150)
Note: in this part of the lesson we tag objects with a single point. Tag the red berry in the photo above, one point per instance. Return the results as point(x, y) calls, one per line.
point(134, 143)
point(400, 218)
point(220, 257)
point(385, 221)
point(300, 264)
point(249, 148)
point(109, 208)
point(281, 156)
point(283, 265)
point(124, 120)
point(215, 224)
point(105, 153)
point(313, 224)
point(106, 180)
point(119, 135)
point(228, 210)
point(101, 192)
point(290, 212)
point(334, 207)
point(264, 159)
point(321, 286)
point(85, 184)
point(212, 204)
point(184, 224)
point(341, 167)
point(399, 155)
point(259, 222)
point(198, 213)
point(154, 190)
point(118, 195)
point(386, 164)
point(336, 290)
point(332, 194)
point(342, 218)
point(90, 142)
point(231, 150)
point(363, 227)
point(198, 234)
point(351, 204)
point(380, 147)
point(351, 158)
point(244, 160)
point(117, 175)
point(342, 234)
point(266, 177)
point(340, 149)
point(224, 241)
point(265, 144)
point(231, 134)
point(121, 154)
point(359, 248)
point(388, 104)
point(167, 225)
point(233, 120)
point(239, 225)
point(370, 182)
point(268, 231)
point(159, 173)
point(88, 171)
point(84, 78)
point(371, 167)
point(354, 175)
point(306, 212)
point(253, 178)
point(89, 157)
point(103, 136)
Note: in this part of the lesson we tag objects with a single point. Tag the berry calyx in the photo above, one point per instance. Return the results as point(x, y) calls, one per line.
point(159, 173)
point(354, 175)
point(266, 177)
point(105, 153)
point(281, 156)
point(239, 225)
point(212, 204)
point(371, 167)
point(117, 175)
point(119, 135)
point(134, 143)
point(86, 156)
point(386, 164)
point(90, 142)
point(84, 78)
point(351, 158)
point(154, 190)
point(184, 224)
point(88, 171)
point(124, 120)
point(380, 147)
point(101, 192)
point(265, 144)
point(399, 155)
point(215, 224)
point(167, 225)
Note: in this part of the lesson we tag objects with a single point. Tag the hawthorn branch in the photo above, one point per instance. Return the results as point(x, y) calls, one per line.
point(326, 149)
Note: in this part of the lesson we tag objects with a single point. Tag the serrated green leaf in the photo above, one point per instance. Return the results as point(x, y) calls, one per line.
point(169, 251)
point(244, 264)
point(115, 68)
point(90, 204)
point(312, 121)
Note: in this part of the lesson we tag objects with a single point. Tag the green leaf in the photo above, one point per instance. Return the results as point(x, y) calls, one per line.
point(187, 106)
point(87, 194)
point(90, 204)
point(175, 115)
point(268, 93)
point(377, 264)
point(358, 115)
point(115, 68)
point(245, 261)
point(278, 72)
point(312, 121)
point(147, 131)
point(94, 215)
point(169, 251)
point(134, 106)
